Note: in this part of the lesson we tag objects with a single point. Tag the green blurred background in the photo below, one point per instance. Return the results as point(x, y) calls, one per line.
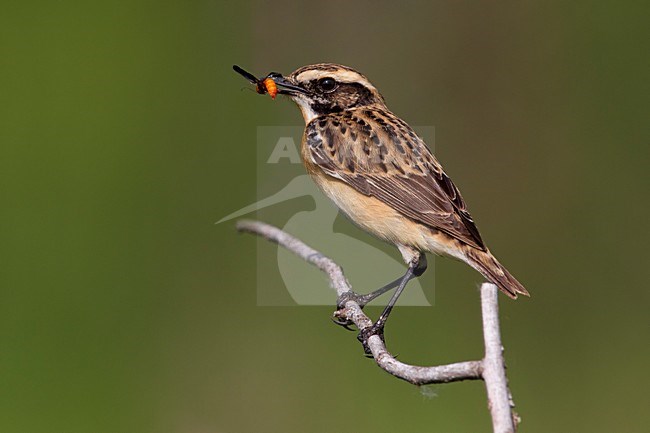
point(125, 135)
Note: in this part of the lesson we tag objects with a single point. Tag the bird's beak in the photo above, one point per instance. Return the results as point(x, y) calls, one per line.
point(286, 86)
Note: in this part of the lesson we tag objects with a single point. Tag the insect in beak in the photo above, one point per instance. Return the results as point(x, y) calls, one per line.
point(262, 85)
point(272, 84)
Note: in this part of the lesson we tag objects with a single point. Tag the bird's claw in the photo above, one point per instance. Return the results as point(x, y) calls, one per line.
point(339, 315)
point(344, 322)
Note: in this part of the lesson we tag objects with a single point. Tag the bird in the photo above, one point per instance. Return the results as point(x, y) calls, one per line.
point(384, 178)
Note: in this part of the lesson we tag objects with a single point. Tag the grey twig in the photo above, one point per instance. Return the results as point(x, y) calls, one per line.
point(491, 369)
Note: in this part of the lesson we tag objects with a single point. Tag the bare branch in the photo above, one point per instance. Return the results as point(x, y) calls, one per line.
point(494, 369)
point(491, 369)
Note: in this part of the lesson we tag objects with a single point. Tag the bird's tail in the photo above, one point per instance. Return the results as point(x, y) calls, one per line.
point(490, 268)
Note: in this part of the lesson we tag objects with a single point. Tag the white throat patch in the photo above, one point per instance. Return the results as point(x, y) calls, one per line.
point(307, 113)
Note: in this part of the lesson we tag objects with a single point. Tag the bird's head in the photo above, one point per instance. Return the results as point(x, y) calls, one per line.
point(327, 88)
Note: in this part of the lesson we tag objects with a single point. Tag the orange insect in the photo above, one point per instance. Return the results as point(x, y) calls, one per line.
point(262, 85)
point(270, 87)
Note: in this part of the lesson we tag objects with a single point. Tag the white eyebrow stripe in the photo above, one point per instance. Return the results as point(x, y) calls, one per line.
point(342, 76)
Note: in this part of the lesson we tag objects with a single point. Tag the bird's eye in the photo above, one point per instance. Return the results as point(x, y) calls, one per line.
point(327, 84)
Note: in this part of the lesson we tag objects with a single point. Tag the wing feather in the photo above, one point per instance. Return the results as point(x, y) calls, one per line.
point(380, 156)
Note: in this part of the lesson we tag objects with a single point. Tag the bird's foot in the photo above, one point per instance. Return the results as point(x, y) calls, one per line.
point(365, 334)
point(339, 315)
point(349, 296)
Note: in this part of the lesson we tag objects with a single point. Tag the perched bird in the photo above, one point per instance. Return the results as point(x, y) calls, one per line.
point(377, 170)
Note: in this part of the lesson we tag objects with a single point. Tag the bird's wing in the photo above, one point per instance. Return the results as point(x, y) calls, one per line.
point(379, 155)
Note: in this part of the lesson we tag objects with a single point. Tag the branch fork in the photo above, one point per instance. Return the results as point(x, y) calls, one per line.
point(491, 369)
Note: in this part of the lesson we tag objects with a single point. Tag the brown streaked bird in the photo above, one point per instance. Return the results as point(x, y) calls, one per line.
point(377, 170)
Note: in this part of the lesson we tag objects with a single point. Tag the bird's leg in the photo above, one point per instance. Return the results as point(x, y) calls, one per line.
point(362, 300)
point(420, 266)
point(416, 268)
